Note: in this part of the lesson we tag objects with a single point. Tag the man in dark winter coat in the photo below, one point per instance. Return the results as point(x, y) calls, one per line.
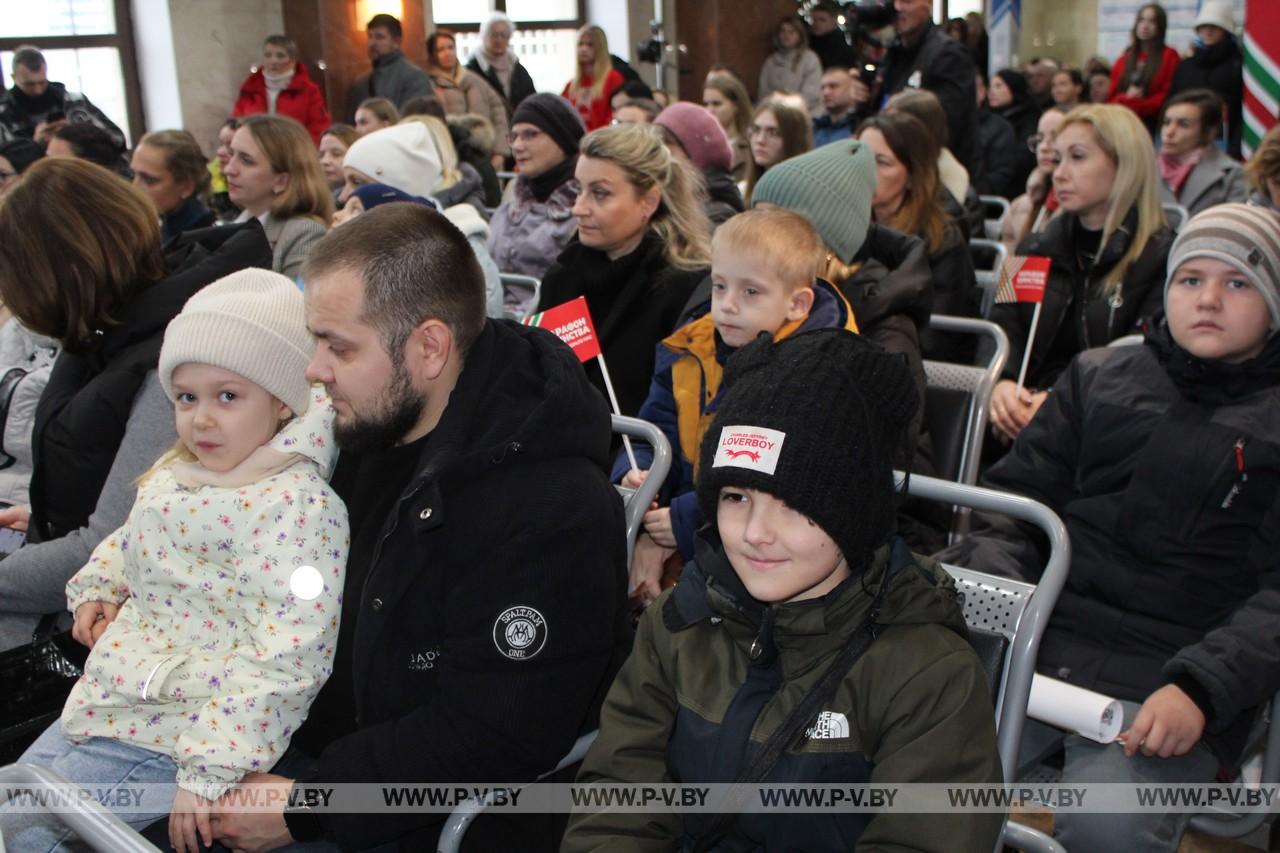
point(1216, 64)
point(484, 606)
point(827, 39)
point(924, 57)
point(1000, 150)
point(35, 107)
point(393, 77)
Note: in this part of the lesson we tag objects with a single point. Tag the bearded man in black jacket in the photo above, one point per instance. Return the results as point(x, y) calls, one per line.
point(484, 612)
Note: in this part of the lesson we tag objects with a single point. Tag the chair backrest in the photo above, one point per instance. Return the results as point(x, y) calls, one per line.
point(988, 257)
point(636, 502)
point(84, 816)
point(1176, 215)
point(997, 209)
point(957, 397)
point(1016, 611)
point(520, 294)
point(1127, 341)
point(1238, 825)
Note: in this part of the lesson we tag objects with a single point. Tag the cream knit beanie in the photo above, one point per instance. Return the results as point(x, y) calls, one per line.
point(252, 323)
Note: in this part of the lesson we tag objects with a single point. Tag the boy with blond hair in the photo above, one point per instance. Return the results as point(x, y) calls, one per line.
point(763, 281)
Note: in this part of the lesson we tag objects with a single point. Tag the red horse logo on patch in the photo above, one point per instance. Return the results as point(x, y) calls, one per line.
point(734, 454)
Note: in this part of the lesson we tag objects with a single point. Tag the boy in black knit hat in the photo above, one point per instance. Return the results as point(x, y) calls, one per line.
point(805, 642)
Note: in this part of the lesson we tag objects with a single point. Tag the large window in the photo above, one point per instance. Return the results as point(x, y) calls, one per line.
point(545, 37)
point(89, 47)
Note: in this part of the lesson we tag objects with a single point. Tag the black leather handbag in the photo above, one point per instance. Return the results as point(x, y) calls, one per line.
point(34, 683)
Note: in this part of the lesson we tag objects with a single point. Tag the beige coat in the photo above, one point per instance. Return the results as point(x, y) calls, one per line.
point(474, 95)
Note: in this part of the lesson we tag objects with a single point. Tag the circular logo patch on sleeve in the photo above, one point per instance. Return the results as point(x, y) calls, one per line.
point(520, 632)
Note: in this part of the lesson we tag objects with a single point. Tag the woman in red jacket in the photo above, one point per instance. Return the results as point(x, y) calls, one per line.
point(1141, 76)
point(281, 86)
point(595, 81)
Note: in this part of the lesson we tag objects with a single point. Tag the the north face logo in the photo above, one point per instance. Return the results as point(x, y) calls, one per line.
point(830, 725)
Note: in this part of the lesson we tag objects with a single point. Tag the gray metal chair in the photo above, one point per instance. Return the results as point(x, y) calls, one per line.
point(92, 824)
point(1017, 611)
point(1176, 215)
point(967, 390)
point(455, 828)
point(993, 224)
point(1240, 825)
point(637, 501)
point(520, 294)
point(987, 273)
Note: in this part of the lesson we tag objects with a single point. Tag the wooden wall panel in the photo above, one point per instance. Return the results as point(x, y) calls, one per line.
point(731, 32)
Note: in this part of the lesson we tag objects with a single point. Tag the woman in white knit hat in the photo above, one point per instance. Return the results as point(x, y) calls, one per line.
point(212, 614)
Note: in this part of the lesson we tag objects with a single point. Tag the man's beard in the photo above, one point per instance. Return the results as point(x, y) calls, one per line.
point(397, 410)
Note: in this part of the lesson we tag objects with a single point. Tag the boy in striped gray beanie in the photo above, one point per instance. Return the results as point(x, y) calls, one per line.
point(1210, 314)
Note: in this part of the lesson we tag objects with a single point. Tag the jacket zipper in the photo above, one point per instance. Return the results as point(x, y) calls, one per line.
point(1236, 457)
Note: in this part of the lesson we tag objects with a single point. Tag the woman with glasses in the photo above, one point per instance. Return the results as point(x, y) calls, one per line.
point(1030, 211)
point(779, 131)
point(536, 221)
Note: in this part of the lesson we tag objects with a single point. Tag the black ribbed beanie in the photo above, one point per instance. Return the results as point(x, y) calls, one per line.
point(816, 420)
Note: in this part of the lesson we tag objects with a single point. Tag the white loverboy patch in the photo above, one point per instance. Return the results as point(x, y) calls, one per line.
point(753, 448)
point(519, 632)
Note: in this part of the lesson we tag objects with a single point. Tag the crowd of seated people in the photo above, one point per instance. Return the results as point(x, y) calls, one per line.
point(186, 340)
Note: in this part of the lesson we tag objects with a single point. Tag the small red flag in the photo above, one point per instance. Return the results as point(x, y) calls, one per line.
point(1022, 279)
point(571, 323)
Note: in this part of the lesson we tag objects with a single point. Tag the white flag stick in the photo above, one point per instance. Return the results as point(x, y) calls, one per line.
point(1026, 355)
point(613, 398)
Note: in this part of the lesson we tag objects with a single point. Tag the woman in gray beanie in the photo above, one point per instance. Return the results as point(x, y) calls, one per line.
point(1164, 462)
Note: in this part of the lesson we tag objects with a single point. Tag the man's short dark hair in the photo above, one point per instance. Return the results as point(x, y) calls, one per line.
point(843, 69)
point(424, 105)
point(29, 58)
point(415, 265)
point(92, 143)
point(390, 23)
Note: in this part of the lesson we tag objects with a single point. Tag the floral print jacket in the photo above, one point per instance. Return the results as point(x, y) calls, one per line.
point(231, 600)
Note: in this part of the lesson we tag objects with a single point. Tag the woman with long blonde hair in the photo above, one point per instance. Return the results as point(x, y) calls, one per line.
point(1107, 246)
point(274, 175)
point(643, 244)
point(595, 80)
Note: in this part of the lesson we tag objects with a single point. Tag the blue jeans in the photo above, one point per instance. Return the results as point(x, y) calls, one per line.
point(100, 764)
point(1090, 761)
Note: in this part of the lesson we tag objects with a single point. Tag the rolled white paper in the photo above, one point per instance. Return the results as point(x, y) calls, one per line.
point(1075, 709)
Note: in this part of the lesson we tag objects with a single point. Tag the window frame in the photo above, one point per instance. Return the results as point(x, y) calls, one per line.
point(122, 40)
point(501, 6)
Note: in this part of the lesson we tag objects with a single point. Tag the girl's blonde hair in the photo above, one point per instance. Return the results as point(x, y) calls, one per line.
point(1265, 162)
point(679, 221)
point(1123, 138)
point(599, 70)
point(449, 171)
point(289, 150)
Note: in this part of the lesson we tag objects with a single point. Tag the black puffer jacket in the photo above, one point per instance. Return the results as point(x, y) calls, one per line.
point(892, 295)
point(1166, 471)
point(723, 198)
point(521, 83)
point(1024, 117)
point(1102, 320)
point(1218, 67)
point(1002, 154)
point(508, 522)
point(81, 418)
point(635, 302)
